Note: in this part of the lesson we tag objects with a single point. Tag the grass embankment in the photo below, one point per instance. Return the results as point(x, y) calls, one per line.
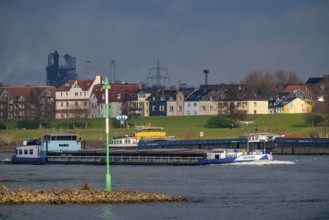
point(183, 127)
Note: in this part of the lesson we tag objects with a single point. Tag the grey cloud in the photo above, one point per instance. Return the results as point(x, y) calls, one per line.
point(231, 39)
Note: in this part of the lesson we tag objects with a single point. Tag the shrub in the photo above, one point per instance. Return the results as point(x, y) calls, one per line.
point(27, 124)
point(2, 126)
point(221, 122)
point(314, 119)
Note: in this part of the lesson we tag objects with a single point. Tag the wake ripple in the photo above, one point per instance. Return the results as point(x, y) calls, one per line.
point(261, 163)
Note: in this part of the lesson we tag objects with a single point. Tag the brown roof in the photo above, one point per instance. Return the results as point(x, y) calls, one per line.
point(27, 91)
point(123, 89)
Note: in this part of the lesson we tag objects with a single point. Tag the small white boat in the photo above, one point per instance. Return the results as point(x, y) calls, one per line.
point(219, 156)
point(33, 154)
point(124, 141)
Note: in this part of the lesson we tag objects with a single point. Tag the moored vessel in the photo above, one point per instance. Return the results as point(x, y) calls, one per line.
point(33, 154)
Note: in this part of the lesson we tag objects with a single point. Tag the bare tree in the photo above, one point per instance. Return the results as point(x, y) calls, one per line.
point(267, 84)
point(261, 83)
point(284, 78)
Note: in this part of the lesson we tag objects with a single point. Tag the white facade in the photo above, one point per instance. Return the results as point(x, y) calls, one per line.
point(191, 108)
point(76, 100)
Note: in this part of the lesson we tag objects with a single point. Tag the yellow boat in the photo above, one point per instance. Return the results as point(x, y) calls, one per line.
point(148, 132)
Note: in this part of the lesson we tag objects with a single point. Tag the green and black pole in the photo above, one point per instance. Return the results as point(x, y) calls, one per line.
point(106, 87)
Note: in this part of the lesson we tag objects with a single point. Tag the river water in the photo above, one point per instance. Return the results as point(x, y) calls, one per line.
point(291, 187)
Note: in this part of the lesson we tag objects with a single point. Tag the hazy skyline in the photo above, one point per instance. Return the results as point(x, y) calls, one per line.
point(230, 38)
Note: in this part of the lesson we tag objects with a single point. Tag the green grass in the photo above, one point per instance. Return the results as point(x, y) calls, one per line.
point(183, 127)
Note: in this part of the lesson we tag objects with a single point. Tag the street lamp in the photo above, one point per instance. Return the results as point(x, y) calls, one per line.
point(322, 100)
point(106, 87)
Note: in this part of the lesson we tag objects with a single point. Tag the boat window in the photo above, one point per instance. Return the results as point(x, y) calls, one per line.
point(25, 151)
point(16, 151)
point(64, 137)
point(20, 151)
point(31, 151)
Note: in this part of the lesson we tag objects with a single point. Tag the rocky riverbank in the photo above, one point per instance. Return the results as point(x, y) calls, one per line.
point(83, 195)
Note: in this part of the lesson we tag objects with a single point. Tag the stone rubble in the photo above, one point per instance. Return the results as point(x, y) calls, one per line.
point(83, 195)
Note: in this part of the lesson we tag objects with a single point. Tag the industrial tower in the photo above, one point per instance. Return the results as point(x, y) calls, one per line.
point(57, 75)
point(88, 69)
point(158, 77)
point(113, 71)
point(206, 72)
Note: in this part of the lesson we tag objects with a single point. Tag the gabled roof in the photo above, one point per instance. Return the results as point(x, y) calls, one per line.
point(28, 92)
point(162, 95)
point(126, 91)
point(213, 95)
point(249, 96)
point(197, 95)
point(84, 84)
point(314, 80)
point(186, 91)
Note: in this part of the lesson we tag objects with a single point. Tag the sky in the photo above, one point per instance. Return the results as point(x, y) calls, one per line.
point(231, 38)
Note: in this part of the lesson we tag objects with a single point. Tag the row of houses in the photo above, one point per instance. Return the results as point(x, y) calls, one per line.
point(86, 99)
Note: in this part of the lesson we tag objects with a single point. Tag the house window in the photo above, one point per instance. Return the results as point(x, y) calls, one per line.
point(61, 104)
point(179, 108)
point(21, 113)
point(76, 93)
point(211, 108)
point(255, 104)
point(203, 108)
point(21, 106)
point(194, 104)
point(76, 103)
point(67, 104)
point(171, 108)
point(255, 112)
point(119, 96)
point(153, 108)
